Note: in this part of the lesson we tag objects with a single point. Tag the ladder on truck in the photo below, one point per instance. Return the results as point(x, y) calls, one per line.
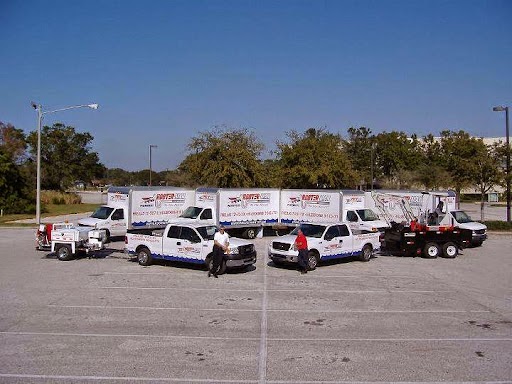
point(392, 208)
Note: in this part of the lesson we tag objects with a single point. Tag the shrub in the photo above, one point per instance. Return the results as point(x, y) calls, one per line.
point(496, 225)
point(59, 198)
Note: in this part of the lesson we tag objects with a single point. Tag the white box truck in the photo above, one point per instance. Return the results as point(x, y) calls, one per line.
point(139, 208)
point(328, 206)
point(242, 211)
point(426, 208)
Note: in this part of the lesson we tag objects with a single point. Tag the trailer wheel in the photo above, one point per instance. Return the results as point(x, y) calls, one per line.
point(144, 257)
point(431, 250)
point(313, 260)
point(450, 250)
point(63, 252)
point(366, 254)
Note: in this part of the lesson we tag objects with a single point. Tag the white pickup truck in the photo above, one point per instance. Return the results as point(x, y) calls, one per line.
point(325, 242)
point(187, 242)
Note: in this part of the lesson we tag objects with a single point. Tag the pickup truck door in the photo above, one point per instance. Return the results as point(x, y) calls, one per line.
point(170, 243)
point(337, 242)
point(190, 245)
point(117, 223)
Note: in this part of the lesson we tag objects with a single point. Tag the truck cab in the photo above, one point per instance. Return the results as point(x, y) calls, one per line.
point(365, 220)
point(458, 218)
point(111, 219)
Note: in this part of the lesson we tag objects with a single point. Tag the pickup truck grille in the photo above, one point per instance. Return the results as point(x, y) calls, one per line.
point(246, 249)
point(280, 246)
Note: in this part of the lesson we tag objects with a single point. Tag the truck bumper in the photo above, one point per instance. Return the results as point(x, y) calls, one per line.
point(283, 258)
point(477, 238)
point(237, 261)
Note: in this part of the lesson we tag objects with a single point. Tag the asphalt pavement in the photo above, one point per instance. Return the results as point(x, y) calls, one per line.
point(392, 319)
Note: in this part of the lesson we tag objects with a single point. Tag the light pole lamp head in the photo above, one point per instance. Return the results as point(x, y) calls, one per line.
point(499, 109)
point(33, 104)
point(93, 106)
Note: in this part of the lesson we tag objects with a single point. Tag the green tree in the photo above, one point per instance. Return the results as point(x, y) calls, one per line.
point(14, 195)
point(66, 156)
point(315, 159)
point(458, 154)
point(431, 172)
point(396, 156)
point(488, 171)
point(360, 148)
point(14, 143)
point(224, 157)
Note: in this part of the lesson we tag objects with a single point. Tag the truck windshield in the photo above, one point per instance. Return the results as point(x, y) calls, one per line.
point(102, 213)
point(191, 213)
point(367, 215)
point(310, 230)
point(207, 232)
point(461, 217)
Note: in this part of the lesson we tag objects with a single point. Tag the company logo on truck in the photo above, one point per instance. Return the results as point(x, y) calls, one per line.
point(249, 199)
point(167, 199)
point(307, 199)
point(206, 198)
point(117, 197)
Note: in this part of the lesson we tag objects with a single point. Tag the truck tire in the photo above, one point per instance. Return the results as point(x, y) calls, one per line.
point(450, 250)
point(313, 260)
point(144, 257)
point(63, 252)
point(250, 233)
point(431, 250)
point(366, 254)
point(209, 261)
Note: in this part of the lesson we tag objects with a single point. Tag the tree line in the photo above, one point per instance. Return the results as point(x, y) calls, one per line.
point(236, 157)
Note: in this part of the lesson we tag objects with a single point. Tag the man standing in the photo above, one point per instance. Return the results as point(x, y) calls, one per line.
point(301, 244)
point(220, 247)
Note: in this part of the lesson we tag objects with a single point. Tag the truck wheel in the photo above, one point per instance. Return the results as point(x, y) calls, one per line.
point(366, 254)
point(431, 250)
point(313, 260)
point(63, 252)
point(250, 233)
point(450, 250)
point(144, 257)
point(208, 262)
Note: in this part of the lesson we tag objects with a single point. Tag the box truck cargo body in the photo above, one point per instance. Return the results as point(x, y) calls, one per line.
point(244, 210)
point(139, 208)
point(328, 206)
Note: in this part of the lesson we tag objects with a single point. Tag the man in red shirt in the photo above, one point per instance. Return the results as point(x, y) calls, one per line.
point(301, 244)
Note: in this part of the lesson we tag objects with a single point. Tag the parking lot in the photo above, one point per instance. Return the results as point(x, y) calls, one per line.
point(392, 319)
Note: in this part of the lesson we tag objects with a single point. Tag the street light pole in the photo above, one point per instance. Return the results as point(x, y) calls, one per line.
point(501, 109)
point(151, 146)
point(40, 114)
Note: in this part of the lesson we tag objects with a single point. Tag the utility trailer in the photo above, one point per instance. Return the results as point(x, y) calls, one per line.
point(68, 242)
point(428, 242)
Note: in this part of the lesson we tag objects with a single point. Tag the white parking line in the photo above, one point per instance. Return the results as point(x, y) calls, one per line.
point(183, 380)
point(230, 289)
point(300, 339)
point(265, 309)
point(262, 361)
point(121, 378)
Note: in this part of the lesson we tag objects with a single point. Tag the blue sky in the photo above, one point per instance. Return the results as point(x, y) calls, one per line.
point(163, 71)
